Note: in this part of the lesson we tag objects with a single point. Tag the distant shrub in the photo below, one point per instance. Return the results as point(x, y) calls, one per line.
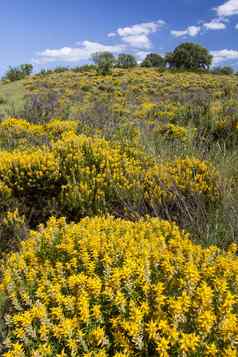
point(84, 68)
point(226, 70)
point(104, 62)
point(61, 69)
point(44, 72)
point(189, 56)
point(109, 287)
point(126, 61)
point(154, 60)
point(17, 73)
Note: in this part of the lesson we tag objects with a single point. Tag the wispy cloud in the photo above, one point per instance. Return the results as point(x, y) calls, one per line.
point(74, 54)
point(224, 56)
point(137, 36)
point(191, 31)
point(215, 24)
point(229, 8)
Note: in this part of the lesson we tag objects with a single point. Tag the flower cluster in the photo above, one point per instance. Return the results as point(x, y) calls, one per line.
point(28, 173)
point(108, 287)
point(184, 176)
point(172, 132)
point(99, 175)
point(86, 176)
point(20, 133)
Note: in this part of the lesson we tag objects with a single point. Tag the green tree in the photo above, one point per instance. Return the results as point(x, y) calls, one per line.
point(126, 61)
point(26, 69)
point(153, 60)
point(104, 62)
point(189, 56)
point(227, 70)
point(17, 73)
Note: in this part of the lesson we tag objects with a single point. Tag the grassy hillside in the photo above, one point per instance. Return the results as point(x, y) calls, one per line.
point(143, 165)
point(11, 98)
point(163, 115)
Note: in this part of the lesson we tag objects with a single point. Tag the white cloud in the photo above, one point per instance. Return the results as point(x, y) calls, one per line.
point(75, 54)
point(178, 33)
point(236, 27)
point(138, 41)
point(144, 28)
point(224, 55)
point(140, 55)
point(229, 8)
point(137, 36)
point(190, 31)
point(215, 24)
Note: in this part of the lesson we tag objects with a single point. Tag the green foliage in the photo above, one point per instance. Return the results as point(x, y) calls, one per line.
point(153, 60)
point(126, 61)
point(104, 61)
point(18, 73)
point(226, 70)
point(189, 56)
point(84, 68)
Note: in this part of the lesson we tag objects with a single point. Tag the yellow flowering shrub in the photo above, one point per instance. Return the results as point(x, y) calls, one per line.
point(99, 175)
point(166, 182)
point(172, 132)
point(29, 173)
point(19, 132)
point(81, 176)
point(108, 287)
point(57, 127)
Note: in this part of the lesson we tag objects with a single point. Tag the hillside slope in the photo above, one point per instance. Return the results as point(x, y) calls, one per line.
point(143, 167)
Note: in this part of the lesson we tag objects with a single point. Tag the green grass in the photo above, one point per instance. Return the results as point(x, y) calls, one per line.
point(11, 98)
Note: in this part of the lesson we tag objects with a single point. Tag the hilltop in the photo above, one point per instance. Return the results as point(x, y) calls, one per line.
point(124, 89)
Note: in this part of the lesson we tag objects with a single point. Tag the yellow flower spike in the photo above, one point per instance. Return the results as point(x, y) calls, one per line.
point(162, 347)
point(188, 342)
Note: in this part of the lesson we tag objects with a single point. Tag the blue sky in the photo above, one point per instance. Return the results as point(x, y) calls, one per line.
point(67, 32)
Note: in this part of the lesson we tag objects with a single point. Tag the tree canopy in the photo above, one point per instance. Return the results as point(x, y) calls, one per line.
point(153, 60)
point(126, 61)
point(189, 56)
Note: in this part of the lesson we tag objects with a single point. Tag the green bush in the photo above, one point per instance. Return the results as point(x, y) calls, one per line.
point(18, 73)
point(154, 60)
point(189, 56)
point(126, 61)
point(104, 62)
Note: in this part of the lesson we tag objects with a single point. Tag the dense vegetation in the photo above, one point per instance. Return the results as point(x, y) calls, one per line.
point(143, 165)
